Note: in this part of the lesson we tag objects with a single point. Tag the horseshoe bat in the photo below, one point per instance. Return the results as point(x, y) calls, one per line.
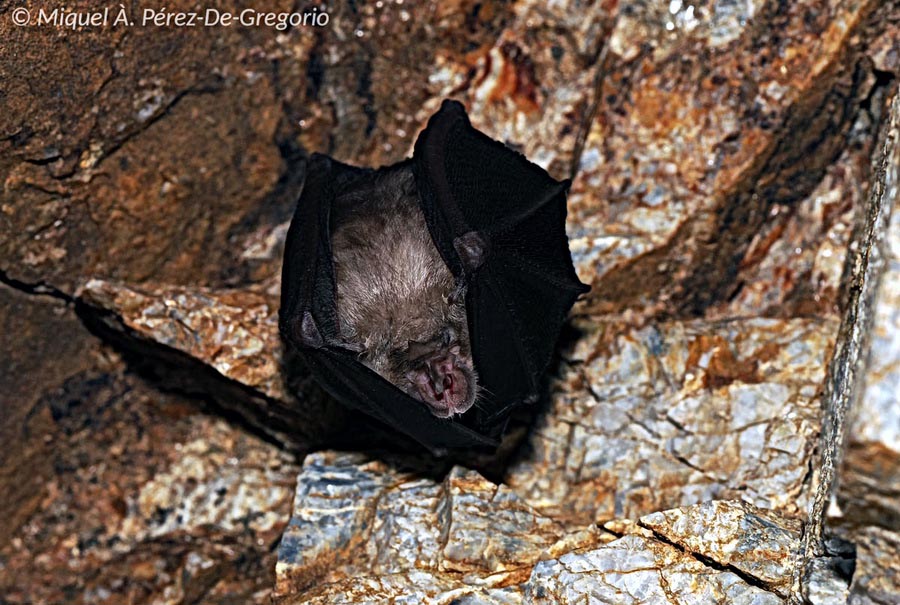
point(430, 293)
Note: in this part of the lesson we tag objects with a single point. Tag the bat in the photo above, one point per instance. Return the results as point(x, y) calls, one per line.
point(430, 294)
point(398, 305)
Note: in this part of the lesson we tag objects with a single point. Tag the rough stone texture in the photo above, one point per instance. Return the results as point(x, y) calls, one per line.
point(636, 569)
point(231, 331)
point(870, 480)
point(865, 267)
point(704, 126)
point(673, 414)
point(531, 87)
point(362, 530)
point(42, 344)
point(523, 82)
point(876, 580)
point(755, 542)
point(795, 262)
point(148, 501)
point(223, 480)
point(357, 518)
point(348, 104)
point(828, 577)
point(132, 153)
point(868, 496)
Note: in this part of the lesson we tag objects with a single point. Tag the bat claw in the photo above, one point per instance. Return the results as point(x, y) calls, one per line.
point(472, 250)
point(309, 335)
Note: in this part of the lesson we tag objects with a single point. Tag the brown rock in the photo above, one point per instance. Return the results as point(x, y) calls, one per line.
point(141, 152)
point(703, 126)
point(42, 347)
point(876, 580)
point(148, 500)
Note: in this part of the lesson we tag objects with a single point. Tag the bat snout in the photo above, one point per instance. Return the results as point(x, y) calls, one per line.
point(443, 383)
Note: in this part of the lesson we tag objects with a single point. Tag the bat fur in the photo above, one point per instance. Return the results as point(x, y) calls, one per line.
point(398, 304)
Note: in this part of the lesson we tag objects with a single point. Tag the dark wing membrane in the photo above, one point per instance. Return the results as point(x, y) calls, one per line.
point(530, 263)
point(519, 298)
point(307, 275)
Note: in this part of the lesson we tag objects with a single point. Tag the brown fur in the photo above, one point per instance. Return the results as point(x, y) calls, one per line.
point(393, 288)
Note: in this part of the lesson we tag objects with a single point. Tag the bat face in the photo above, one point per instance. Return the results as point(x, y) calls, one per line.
point(438, 374)
point(399, 307)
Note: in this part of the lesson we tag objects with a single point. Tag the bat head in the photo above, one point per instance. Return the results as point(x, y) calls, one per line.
point(440, 373)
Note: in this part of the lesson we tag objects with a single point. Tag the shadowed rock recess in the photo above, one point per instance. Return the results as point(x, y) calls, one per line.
point(721, 424)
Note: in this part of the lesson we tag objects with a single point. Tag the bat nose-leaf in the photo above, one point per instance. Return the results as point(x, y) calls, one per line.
point(437, 381)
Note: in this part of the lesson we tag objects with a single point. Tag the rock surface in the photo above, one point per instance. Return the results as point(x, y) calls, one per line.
point(234, 332)
point(870, 483)
point(142, 152)
point(845, 380)
point(756, 543)
point(672, 414)
point(362, 530)
point(733, 166)
point(147, 500)
point(877, 577)
point(697, 139)
point(34, 366)
point(868, 495)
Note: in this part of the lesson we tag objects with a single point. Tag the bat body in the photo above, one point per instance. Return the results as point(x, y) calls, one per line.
point(398, 304)
point(430, 294)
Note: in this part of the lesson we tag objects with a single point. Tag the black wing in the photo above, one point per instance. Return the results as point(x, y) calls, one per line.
point(522, 284)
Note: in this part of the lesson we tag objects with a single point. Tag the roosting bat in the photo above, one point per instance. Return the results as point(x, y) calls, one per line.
point(398, 304)
point(430, 293)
